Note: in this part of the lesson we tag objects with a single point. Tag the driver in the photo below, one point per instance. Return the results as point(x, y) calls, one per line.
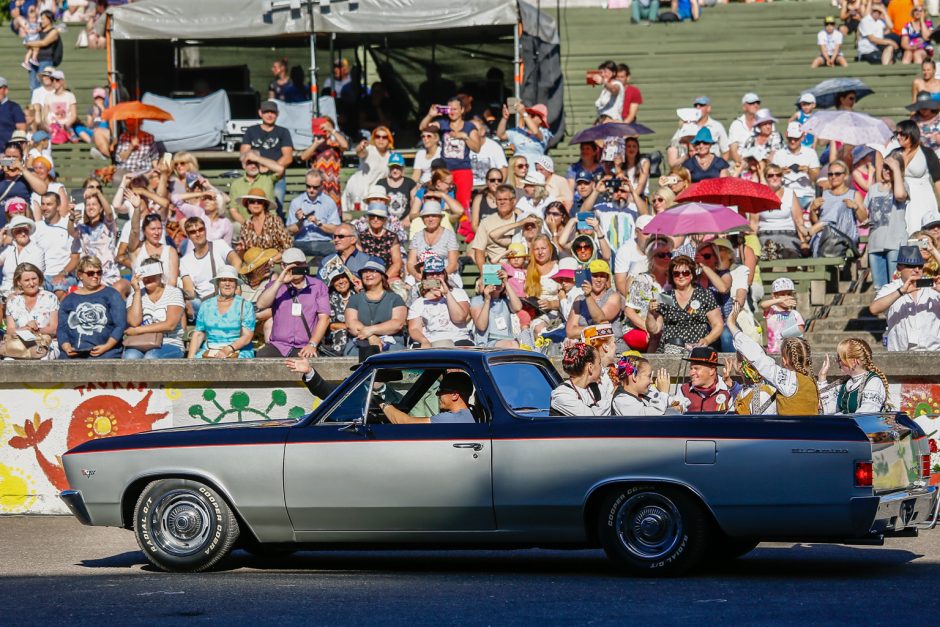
point(453, 395)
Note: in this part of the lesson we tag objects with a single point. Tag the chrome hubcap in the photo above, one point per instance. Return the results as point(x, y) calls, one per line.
point(181, 522)
point(649, 525)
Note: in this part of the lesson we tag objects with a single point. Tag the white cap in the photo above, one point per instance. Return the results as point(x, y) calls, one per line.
point(689, 129)
point(293, 255)
point(750, 98)
point(642, 221)
point(569, 263)
point(763, 115)
point(546, 162)
point(807, 97)
point(689, 114)
point(794, 130)
point(783, 284)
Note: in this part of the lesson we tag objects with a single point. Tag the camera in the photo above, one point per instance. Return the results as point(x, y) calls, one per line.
point(7, 162)
point(613, 184)
point(300, 271)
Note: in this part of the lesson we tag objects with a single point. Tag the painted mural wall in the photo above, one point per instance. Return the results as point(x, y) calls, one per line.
point(39, 423)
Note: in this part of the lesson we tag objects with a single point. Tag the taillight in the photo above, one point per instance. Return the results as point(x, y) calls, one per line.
point(933, 446)
point(925, 466)
point(863, 475)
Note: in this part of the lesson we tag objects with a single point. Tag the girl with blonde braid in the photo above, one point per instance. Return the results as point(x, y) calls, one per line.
point(864, 387)
point(795, 391)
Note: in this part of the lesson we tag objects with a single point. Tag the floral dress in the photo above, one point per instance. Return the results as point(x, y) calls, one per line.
point(223, 329)
point(273, 234)
point(690, 324)
point(46, 303)
point(379, 245)
point(392, 224)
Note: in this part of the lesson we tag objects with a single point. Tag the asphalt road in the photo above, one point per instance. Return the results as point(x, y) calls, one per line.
point(53, 570)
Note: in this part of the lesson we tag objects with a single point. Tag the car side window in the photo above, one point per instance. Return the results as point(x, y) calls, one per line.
point(524, 387)
point(352, 406)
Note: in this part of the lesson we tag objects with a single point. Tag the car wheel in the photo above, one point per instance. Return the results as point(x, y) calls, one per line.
point(652, 530)
point(183, 525)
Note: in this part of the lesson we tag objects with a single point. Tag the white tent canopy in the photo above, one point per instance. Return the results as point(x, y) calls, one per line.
point(228, 19)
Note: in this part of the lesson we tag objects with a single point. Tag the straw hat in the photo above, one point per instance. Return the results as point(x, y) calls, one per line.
point(255, 258)
point(255, 193)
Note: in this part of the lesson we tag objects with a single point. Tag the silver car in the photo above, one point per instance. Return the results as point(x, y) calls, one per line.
point(658, 494)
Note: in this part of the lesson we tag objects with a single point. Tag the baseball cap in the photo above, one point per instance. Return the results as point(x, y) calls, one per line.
point(456, 382)
point(396, 159)
point(47, 71)
point(434, 265)
point(269, 105)
point(583, 175)
point(374, 263)
point(599, 266)
point(516, 249)
point(783, 284)
point(3, 82)
point(566, 269)
point(597, 333)
point(293, 255)
point(794, 130)
point(807, 97)
point(689, 129)
point(931, 220)
point(750, 98)
point(99, 92)
point(702, 100)
point(57, 74)
point(829, 20)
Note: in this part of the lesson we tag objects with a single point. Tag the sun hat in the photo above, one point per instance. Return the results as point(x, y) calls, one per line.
point(534, 178)
point(704, 136)
point(546, 162)
point(374, 263)
point(783, 284)
point(38, 136)
point(750, 98)
point(794, 130)
point(376, 208)
point(434, 265)
point(924, 100)
point(47, 71)
point(255, 257)
point(21, 136)
point(20, 221)
point(396, 159)
point(907, 255)
point(704, 356)
point(376, 191)
point(539, 111)
point(763, 116)
point(516, 249)
point(431, 208)
point(293, 255)
point(689, 129)
point(255, 193)
point(226, 272)
point(599, 266)
point(722, 242)
point(566, 269)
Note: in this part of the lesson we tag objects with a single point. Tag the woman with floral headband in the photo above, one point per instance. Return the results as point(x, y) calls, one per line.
point(638, 393)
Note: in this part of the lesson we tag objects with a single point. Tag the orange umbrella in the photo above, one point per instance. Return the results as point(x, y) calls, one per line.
point(135, 110)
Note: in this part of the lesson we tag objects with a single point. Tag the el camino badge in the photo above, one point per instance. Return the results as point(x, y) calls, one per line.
point(88, 473)
point(819, 450)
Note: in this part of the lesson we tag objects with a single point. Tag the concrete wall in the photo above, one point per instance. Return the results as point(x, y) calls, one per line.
point(47, 408)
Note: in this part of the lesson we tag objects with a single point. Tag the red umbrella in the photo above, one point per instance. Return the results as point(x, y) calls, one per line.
point(135, 110)
point(747, 196)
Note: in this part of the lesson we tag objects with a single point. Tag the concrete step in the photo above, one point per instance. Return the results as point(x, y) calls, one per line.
point(845, 312)
point(859, 300)
point(827, 341)
point(849, 325)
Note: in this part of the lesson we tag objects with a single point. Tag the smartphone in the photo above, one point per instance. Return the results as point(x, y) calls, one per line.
point(489, 274)
point(925, 282)
point(920, 243)
point(582, 220)
point(589, 76)
point(168, 159)
point(511, 102)
point(581, 277)
point(431, 284)
point(7, 162)
point(77, 196)
point(665, 299)
point(300, 271)
point(443, 110)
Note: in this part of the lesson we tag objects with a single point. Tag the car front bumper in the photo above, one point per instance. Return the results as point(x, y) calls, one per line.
point(76, 503)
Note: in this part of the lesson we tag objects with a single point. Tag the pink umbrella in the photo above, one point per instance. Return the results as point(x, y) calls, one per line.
point(695, 217)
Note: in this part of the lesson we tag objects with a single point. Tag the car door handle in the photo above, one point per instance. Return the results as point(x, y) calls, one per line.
point(476, 446)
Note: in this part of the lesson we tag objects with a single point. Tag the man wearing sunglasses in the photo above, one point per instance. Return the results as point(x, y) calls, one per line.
point(312, 219)
point(272, 142)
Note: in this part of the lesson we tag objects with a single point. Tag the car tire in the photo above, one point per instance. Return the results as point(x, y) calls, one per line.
point(183, 525)
point(653, 530)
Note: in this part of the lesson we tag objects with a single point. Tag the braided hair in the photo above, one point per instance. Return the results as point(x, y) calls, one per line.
point(576, 357)
point(628, 364)
point(857, 348)
point(799, 356)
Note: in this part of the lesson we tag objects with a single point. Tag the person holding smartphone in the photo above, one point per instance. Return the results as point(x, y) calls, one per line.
point(300, 309)
point(912, 303)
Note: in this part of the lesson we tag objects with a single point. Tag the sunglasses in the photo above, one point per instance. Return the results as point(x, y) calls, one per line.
point(195, 230)
point(663, 255)
point(836, 174)
point(313, 186)
point(774, 175)
point(698, 104)
point(494, 180)
point(338, 236)
point(658, 199)
point(707, 256)
point(382, 137)
point(682, 273)
point(427, 135)
point(522, 166)
point(91, 272)
point(583, 247)
point(375, 217)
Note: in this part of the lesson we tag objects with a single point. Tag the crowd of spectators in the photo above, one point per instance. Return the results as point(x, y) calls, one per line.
point(462, 246)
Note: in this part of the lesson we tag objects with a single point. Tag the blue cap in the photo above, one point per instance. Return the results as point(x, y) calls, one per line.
point(910, 256)
point(374, 263)
point(38, 136)
point(704, 136)
point(396, 158)
point(702, 100)
point(434, 265)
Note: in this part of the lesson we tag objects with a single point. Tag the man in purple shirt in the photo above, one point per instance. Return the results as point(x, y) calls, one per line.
point(300, 306)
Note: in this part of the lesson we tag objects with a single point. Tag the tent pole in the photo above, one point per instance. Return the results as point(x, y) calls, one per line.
point(112, 76)
point(314, 96)
point(517, 66)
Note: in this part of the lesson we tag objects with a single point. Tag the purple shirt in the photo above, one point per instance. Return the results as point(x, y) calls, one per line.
point(288, 331)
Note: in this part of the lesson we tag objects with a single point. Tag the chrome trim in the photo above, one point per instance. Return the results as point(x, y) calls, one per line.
point(76, 504)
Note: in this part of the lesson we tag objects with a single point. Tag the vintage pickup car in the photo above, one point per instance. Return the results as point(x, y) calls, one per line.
point(658, 494)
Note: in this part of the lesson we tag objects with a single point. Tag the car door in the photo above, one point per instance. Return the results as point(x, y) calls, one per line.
point(340, 476)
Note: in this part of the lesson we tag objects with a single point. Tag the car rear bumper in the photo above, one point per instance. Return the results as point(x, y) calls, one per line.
point(75, 502)
point(905, 510)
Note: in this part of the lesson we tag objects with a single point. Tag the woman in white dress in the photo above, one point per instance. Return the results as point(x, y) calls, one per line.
point(921, 173)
